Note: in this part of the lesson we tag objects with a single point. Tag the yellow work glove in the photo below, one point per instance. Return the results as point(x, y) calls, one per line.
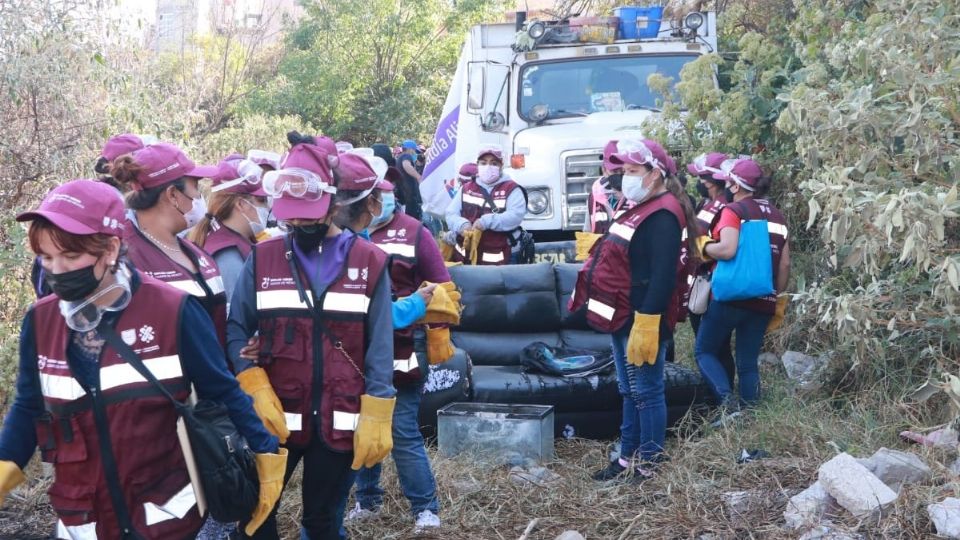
point(254, 382)
point(373, 438)
point(439, 348)
point(585, 242)
point(446, 251)
point(702, 242)
point(471, 241)
point(444, 307)
point(644, 339)
point(10, 477)
point(777, 320)
point(270, 470)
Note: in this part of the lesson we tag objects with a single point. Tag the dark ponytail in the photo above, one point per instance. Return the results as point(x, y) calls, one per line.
point(763, 187)
point(124, 171)
point(295, 138)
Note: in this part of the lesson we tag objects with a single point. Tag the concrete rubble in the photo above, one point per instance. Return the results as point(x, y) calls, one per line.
point(897, 469)
point(808, 507)
point(854, 487)
point(945, 516)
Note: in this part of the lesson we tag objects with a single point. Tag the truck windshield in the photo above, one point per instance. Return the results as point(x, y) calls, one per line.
point(584, 86)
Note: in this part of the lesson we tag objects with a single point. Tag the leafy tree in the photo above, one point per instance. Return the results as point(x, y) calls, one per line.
point(369, 71)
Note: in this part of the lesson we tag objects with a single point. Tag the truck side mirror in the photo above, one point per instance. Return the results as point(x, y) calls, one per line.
point(476, 80)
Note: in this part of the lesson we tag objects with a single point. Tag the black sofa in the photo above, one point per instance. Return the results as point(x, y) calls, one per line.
point(505, 309)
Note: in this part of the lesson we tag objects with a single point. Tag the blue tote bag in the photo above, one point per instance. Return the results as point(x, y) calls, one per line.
point(749, 274)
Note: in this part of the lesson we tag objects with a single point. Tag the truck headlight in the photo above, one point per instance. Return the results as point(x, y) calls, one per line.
point(693, 21)
point(537, 202)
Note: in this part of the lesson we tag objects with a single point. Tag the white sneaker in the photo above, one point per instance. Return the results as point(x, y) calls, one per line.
point(426, 520)
point(361, 514)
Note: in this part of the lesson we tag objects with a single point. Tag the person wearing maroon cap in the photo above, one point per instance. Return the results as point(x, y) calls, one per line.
point(166, 201)
point(105, 429)
point(319, 299)
point(749, 319)
point(605, 202)
point(713, 198)
point(493, 204)
point(364, 201)
point(631, 287)
point(236, 218)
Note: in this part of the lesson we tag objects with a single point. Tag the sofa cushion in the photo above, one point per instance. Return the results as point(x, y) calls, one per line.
point(507, 299)
point(586, 339)
point(566, 276)
point(499, 349)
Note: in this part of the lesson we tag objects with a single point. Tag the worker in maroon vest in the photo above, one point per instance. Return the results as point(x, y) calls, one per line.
point(414, 258)
point(119, 471)
point(493, 204)
point(749, 319)
point(605, 202)
point(237, 214)
point(713, 198)
point(166, 201)
point(631, 287)
point(320, 299)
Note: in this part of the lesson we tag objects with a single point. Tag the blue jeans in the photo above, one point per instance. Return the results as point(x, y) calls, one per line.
point(410, 457)
point(643, 429)
point(720, 320)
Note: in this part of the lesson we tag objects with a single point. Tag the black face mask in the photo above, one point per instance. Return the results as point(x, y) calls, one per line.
point(309, 237)
point(702, 190)
point(728, 194)
point(74, 285)
point(615, 181)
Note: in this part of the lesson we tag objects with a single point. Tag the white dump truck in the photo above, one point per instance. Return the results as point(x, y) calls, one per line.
point(552, 108)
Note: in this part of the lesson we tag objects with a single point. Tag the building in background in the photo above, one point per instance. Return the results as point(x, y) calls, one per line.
point(177, 22)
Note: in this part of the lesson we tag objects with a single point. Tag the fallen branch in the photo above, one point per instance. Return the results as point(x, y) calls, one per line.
point(530, 526)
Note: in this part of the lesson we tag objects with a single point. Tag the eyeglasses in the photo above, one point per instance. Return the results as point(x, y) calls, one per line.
point(298, 183)
point(250, 173)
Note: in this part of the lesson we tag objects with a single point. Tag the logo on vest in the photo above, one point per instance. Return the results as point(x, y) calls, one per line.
point(204, 263)
point(353, 273)
point(146, 333)
point(44, 362)
point(402, 233)
point(129, 336)
point(268, 282)
point(391, 233)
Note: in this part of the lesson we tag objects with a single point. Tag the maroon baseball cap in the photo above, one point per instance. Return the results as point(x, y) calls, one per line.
point(490, 150)
point(609, 150)
point(312, 159)
point(119, 145)
point(354, 173)
point(163, 163)
point(744, 171)
point(707, 163)
point(327, 145)
point(264, 158)
point(82, 207)
point(236, 174)
point(644, 152)
point(468, 171)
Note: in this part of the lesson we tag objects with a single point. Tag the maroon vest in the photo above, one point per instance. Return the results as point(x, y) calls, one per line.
point(317, 373)
point(757, 209)
point(601, 217)
point(208, 287)
point(707, 214)
point(140, 421)
point(223, 238)
point(603, 283)
point(494, 246)
point(399, 239)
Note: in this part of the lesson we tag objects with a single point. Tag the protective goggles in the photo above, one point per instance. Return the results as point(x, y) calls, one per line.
point(264, 157)
point(298, 183)
point(84, 315)
point(639, 153)
point(726, 168)
point(250, 173)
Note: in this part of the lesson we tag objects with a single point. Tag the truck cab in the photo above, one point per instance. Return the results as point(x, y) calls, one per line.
point(553, 107)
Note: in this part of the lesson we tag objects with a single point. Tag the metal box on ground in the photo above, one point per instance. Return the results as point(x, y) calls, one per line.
point(496, 432)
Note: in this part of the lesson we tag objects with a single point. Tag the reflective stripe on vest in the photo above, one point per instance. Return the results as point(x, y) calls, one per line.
point(175, 508)
point(705, 216)
point(600, 309)
point(406, 365)
point(344, 421)
point(600, 215)
point(492, 257)
point(294, 421)
point(403, 250)
point(68, 389)
point(622, 230)
point(777, 228)
point(350, 302)
point(87, 531)
point(279, 299)
point(473, 199)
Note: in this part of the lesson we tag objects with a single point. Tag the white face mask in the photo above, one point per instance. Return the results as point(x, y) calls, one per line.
point(263, 214)
point(633, 188)
point(488, 174)
point(196, 213)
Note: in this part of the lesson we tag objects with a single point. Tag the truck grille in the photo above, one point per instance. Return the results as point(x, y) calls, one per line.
point(580, 169)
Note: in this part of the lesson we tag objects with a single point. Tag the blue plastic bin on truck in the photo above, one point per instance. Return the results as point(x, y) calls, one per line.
point(639, 22)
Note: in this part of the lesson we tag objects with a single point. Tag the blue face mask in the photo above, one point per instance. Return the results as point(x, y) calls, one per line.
point(365, 234)
point(389, 204)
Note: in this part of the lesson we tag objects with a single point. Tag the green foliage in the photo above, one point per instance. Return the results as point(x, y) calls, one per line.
point(370, 71)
